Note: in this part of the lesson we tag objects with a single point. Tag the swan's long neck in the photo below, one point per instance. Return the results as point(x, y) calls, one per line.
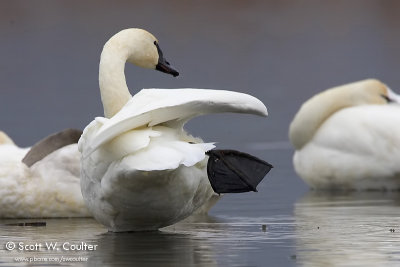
point(315, 111)
point(319, 108)
point(113, 88)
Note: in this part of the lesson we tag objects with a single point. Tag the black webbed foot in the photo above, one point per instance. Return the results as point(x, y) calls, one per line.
point(231, 171)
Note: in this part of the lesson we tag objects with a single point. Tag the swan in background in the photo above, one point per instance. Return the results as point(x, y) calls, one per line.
point(5, 139)
point(140, 170)
point(348, 138)
point(42, 181)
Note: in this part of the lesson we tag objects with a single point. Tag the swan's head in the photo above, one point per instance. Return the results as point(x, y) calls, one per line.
point(370, 92)
point(142, 49)
point(315, 111)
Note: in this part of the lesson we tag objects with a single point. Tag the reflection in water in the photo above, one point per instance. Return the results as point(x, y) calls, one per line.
point(169, 247)
point(152, 249)
point(351, 229)
point(74, 231)
point(200, 240)
point(327, 229)
point(177, 245)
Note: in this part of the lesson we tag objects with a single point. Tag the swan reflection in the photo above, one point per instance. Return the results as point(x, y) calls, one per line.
point(177, 245)
point(347, 229)
point(151, 249)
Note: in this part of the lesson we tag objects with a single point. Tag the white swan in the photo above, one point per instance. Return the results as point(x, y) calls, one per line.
point(348, 138)
point(140, 170)
point(48, 187)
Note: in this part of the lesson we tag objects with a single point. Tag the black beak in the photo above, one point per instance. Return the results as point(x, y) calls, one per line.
point(389, 100)
point(163, 65)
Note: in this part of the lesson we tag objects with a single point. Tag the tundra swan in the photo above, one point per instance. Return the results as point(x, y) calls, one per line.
point(348, 138)
point(140, 170)
point(42, 181)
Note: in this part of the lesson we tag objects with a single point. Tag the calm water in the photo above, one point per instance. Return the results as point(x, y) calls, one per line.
point(282, 52)
point(268, 228)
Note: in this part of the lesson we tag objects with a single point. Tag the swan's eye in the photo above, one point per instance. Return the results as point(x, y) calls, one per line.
point(387, 98)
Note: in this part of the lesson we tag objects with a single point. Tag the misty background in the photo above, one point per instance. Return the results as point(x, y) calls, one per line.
point(282, 52)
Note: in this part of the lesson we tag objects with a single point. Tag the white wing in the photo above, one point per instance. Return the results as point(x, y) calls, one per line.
point(150, 107)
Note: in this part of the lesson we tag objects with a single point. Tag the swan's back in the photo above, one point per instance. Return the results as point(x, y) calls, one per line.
point(50, 188)
point(356, 148)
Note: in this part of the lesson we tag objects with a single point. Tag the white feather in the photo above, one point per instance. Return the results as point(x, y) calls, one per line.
point(154, 106)
point(357, 148)
point(49, 188)
point(348, 138)
point(140, 169)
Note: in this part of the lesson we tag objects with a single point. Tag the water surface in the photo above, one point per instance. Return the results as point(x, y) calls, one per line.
point(274, 227)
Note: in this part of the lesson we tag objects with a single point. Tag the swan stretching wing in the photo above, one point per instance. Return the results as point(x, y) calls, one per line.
point(140, 169)
point(155, 106)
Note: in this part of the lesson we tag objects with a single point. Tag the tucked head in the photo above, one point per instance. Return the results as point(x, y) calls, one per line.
point(369, 92)
point(142, 49)
point(315, 111)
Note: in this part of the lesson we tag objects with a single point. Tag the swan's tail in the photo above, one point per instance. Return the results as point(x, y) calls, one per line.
point(5, 139)
point(231, 171)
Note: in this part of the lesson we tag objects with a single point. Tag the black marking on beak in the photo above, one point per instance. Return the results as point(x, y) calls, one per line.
point(163, 65)
point(387, 99)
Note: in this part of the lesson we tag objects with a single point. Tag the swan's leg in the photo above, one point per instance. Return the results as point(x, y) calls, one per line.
point(231, 171)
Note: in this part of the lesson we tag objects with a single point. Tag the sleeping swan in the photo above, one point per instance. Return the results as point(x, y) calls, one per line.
point(42, 181)
point(140, 170)
point(348, 138)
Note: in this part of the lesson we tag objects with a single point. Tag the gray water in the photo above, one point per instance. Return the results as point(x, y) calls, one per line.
point(282, 52)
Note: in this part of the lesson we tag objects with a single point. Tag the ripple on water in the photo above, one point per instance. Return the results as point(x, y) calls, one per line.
point(325, 229)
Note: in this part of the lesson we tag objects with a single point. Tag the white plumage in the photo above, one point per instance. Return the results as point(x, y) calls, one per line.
point(172, 107)
point(348, 138)
point(49, 188)
point(140, 169)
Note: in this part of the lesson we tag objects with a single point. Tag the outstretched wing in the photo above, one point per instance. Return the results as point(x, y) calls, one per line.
point(150, 107)
point(51, 143)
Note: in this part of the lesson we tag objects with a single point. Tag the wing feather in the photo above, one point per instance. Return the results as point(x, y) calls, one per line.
point(151, 107)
